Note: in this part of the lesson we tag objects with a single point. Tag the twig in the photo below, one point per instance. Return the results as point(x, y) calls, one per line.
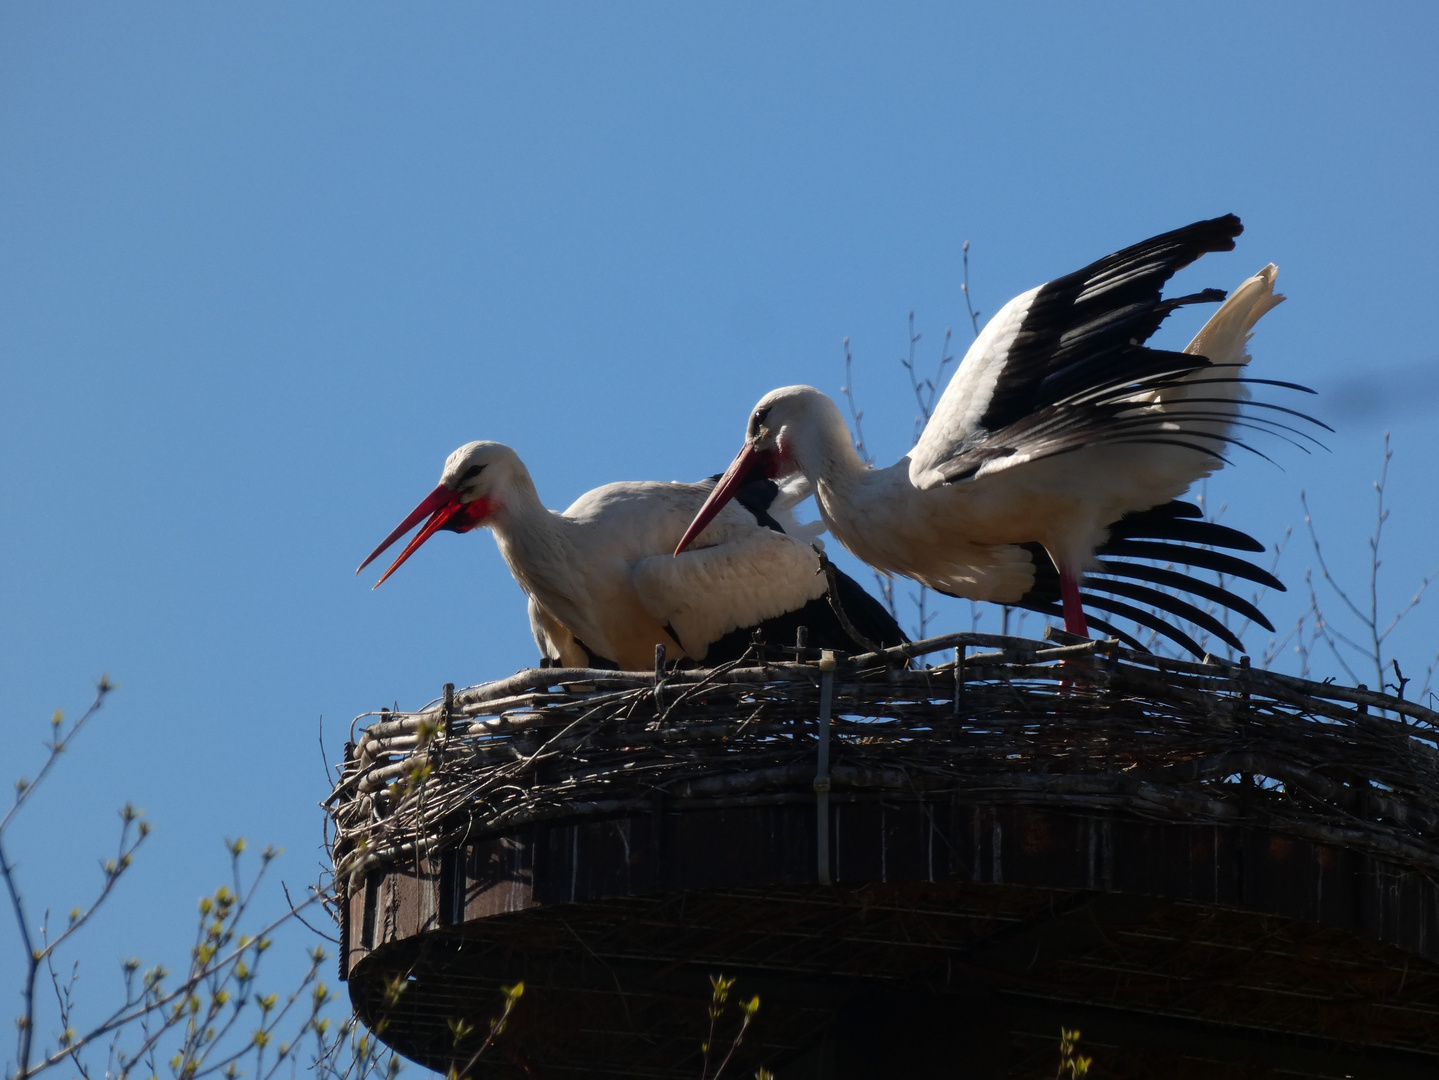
point(34, 957)
point(832, 593)
point(883, 583)
point(1373, 649)
point(856, 415)
point(497, 1027)
point(964, 288)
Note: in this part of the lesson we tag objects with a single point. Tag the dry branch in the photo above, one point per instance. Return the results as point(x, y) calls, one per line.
point(1091, 726)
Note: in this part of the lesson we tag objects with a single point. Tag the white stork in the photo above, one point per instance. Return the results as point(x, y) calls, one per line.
point(603, 588)
point(1060, 430)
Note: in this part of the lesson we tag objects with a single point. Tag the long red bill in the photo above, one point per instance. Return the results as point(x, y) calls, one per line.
point(734, 476)
point(439, 505)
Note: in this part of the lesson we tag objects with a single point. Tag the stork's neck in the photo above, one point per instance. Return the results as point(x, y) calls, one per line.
point(818, 445)
point(821, 449)
point(851, 495)
point(535, 541)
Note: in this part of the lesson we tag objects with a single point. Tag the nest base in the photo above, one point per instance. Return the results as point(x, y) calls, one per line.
point(955, 935)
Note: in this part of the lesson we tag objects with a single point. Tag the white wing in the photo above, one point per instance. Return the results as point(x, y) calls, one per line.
point(738, 573)
point(955, 420)
point(1059, 363)
point(750, 575)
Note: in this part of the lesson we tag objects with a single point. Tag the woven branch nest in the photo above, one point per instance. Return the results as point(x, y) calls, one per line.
point(1090, 726)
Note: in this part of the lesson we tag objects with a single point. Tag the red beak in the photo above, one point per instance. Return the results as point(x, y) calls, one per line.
point(440, 504)
point(738, 472)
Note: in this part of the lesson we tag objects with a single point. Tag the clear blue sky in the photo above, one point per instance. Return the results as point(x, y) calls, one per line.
point(263, 266)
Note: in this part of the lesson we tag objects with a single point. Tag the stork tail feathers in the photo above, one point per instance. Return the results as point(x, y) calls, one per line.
point(1173, 533)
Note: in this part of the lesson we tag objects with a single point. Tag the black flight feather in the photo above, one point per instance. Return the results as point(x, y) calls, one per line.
point(1163, 601)
point(1087, 323)
point(1142, 535)
point(1173, 579)
point(1161, 523)
point(1189, 556)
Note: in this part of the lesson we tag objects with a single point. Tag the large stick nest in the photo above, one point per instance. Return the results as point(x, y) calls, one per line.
point(1088, 727)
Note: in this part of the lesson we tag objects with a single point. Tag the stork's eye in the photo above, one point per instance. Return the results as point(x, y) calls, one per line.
point(470, 473)
point(760, 415)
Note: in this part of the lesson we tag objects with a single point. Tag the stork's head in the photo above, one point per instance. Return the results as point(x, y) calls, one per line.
point(471, 491)
point(780, 428)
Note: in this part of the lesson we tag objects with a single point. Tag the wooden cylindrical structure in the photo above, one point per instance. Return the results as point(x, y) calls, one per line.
point(1208, 871)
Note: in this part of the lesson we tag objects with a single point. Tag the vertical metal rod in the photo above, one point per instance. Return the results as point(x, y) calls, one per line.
point(343, 886)
point(1246, 779)
point(821, 776)
point(958, 676)
point(449, 709)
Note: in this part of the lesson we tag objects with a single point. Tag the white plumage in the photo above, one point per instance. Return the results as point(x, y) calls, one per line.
point(1066, 496)
point(602, 585)
point(1058, 422)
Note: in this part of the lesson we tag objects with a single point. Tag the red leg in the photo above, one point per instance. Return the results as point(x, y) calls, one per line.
point(1073, 610)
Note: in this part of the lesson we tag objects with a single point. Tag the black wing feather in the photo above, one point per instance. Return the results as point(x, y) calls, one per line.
point(1161, 523)
point(1079, 361)
point(1163, 601)
point(1173, 579)
point(1133, 614)
point(825, 631)
point(1084, 327)
point(1189, 556)
point(1139, 536)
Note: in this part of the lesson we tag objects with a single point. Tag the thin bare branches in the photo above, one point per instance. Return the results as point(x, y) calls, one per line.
point(1373, 629)
point(964, 288)
point(719, 997)
point(60, 741)
point(461, 1029)
point(37, 957)
point(856, 414)
point(925, 390)
point(883, 583)
point(214, 1019)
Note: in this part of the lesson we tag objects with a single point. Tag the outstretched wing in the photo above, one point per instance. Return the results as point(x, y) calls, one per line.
point(1055, 365)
